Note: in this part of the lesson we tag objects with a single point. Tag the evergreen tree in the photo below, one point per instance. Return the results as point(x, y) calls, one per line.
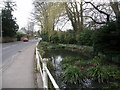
point(9, 25)
point(107, 39)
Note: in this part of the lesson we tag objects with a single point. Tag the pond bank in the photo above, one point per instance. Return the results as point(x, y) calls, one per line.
point(69, 67)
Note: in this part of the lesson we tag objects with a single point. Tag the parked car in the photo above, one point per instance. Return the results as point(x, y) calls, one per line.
point(25, 40)
point(36, 38)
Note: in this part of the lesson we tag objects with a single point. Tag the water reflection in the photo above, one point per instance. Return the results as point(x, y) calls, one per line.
point(56, 57)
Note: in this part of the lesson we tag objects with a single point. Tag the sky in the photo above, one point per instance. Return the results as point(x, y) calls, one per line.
point(23, 12)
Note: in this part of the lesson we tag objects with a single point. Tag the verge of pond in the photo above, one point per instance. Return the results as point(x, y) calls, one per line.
point(55, 57)
point(56, 54)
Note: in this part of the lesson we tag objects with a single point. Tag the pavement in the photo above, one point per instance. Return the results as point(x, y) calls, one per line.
point(20, 73)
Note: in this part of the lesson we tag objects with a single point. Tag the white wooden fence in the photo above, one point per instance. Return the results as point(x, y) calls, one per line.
point(44, 71)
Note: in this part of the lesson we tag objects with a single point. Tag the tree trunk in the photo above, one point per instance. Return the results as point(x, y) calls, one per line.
point(115, 6)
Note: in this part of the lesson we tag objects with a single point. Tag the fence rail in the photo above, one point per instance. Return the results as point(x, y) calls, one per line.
point(44, 71)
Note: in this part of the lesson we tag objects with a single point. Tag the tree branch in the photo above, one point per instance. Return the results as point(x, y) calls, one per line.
point(108, 16)
point(95, 20)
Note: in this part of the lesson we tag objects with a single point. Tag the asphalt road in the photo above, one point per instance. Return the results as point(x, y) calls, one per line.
point(10, 50)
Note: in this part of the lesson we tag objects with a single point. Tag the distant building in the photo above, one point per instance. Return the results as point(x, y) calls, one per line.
point(22, 30)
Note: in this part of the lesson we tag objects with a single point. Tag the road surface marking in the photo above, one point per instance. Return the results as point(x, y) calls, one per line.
point(8, 63)
point(9, 46)
point(6, 47)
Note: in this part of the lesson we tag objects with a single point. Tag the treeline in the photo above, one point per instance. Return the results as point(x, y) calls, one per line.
point(69, 37)
point(105, 40)
point(97, 26)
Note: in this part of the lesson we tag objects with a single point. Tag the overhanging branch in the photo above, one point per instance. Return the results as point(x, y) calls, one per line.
point(108, 16)
point(95, 20)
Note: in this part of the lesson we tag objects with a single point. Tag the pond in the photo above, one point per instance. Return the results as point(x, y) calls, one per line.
point(55, 57)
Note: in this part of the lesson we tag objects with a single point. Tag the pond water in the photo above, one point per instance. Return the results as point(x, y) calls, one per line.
point(56, 57)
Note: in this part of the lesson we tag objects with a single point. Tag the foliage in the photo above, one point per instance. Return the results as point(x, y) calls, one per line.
point(61, 37)
point(19, 35)
point(54, 37)
point(101, 73)
point(95, 61)
point(43, 43)
point(44, 35)
point(65, 66)
point(94, 69)
point(40, 47)
point(68, 60)
point(113, 72)
point(47, 14)
point(57, 46)
point(70, 37)
point(84, 37)
point(50, 65)
point(98, 73)
point(9, 25)
point(107, 40)
point(73, 75)
point(81, 63)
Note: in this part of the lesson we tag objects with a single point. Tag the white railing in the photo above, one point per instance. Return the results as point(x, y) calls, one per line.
point(44, 71)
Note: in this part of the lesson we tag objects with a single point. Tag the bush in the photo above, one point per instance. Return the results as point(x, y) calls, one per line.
point(19, 36)
point(95, 61)
point(98, 74)
point(62, 37)
point(43, 43)
point(73, 75)
point(113, 72)
point(44, 35)
point(65, 66)
point(68, 60)
point(84, 37)
point(104, 73)
point(70, 37)
point(107, 40)
point(81, 63)
point(54, 37)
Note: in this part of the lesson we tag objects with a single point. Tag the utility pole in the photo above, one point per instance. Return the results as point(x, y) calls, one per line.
point(0, 26)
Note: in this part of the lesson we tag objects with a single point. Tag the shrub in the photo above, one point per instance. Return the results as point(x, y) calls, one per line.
point(43, 43)
point(104, 73)
point(54, 37)
point(70, 37)
point(65, 66)
point(107, 40)
point(44, 35)
point(81, 63)
point(113, 71)
point(98, 73)
point(62, 37)
point(95, 61)
point(84, 37)
point(68, 60)
point(19, 35)
point(73, 75)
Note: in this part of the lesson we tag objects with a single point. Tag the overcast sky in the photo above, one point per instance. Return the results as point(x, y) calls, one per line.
point(23, 12)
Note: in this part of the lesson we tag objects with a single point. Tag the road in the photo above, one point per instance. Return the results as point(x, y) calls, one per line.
point(18, 64)
point(10, 50)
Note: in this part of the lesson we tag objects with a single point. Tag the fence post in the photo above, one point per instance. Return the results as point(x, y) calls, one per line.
point(45, 78)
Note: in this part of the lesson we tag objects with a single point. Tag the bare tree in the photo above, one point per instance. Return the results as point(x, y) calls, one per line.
point(75, 13)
